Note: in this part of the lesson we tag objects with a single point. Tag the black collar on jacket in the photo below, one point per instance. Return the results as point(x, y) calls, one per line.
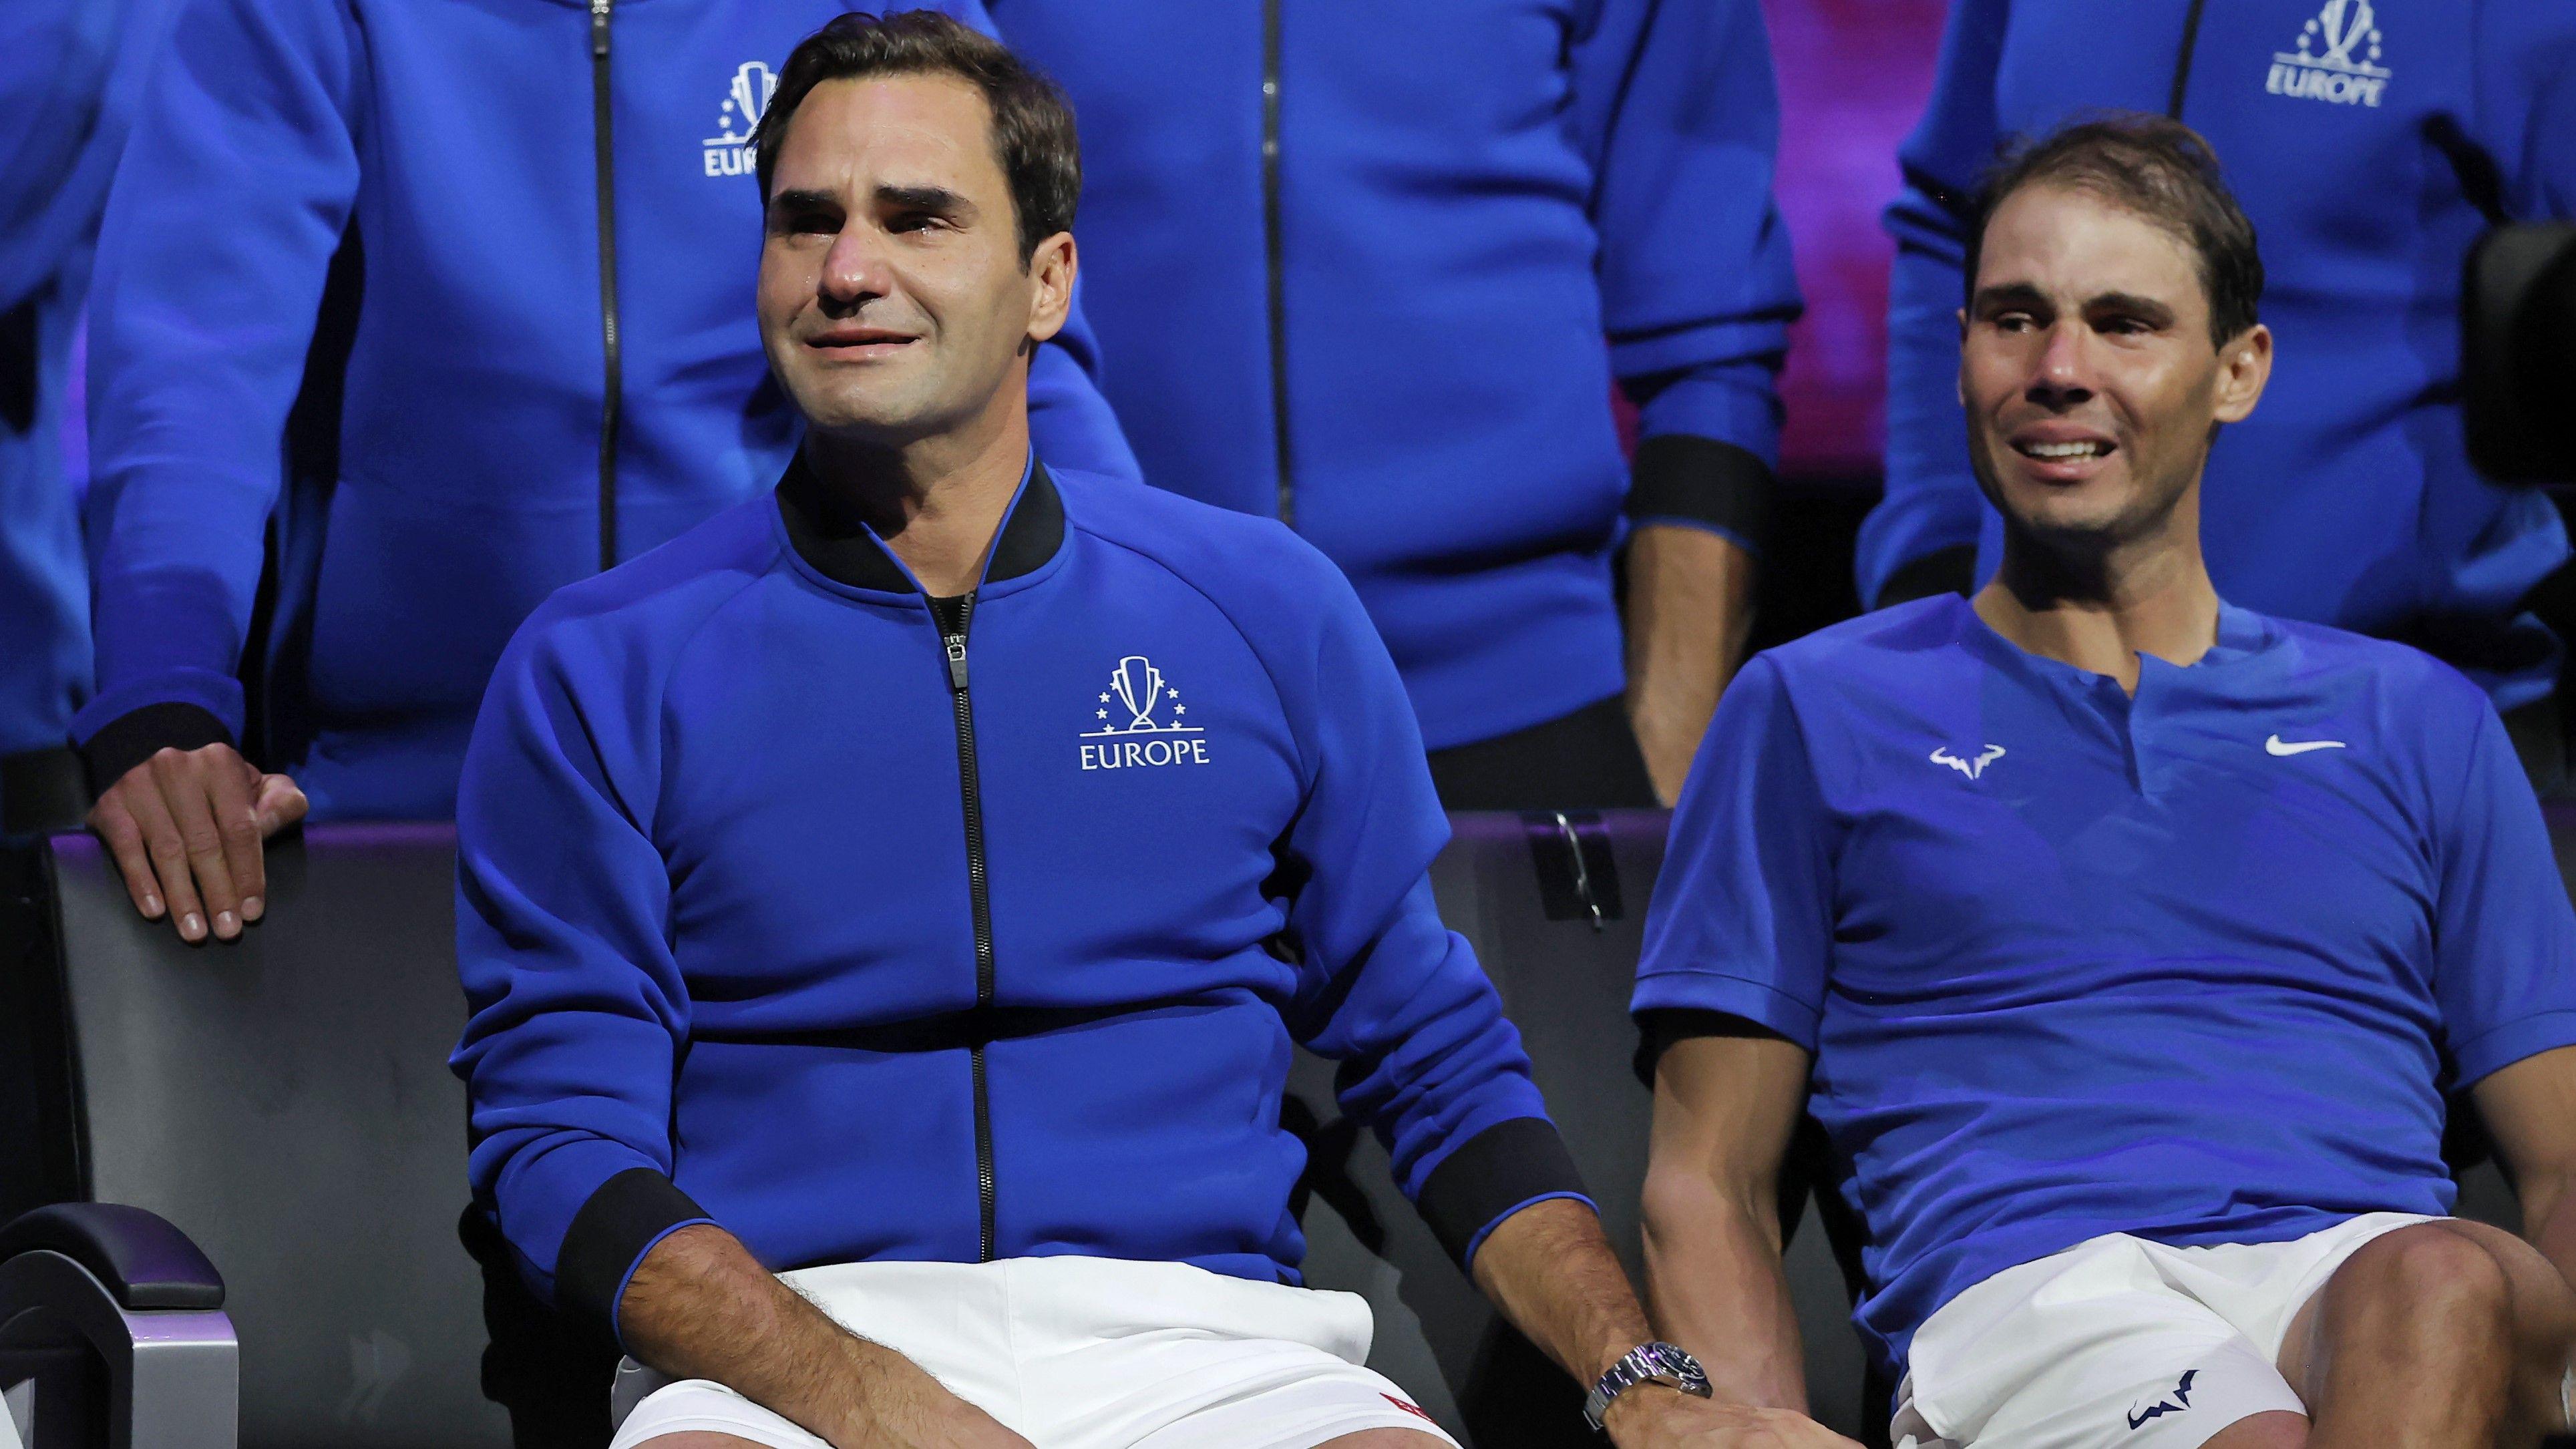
point(843, 550)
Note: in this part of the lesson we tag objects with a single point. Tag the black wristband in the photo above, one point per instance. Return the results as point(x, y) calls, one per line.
point(137, 735)
point(627, 1215)
point(1491, 1173)
point(1701, 480)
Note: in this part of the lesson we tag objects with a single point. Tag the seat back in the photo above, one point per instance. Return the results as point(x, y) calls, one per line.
point(285, 1101)
point(1511, 886)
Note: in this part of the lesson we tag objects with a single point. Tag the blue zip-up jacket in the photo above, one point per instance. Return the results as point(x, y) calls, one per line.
point(69, 78)
point(1353, 267)
point(873, 927)
point(2368, 144)
point(461, 355)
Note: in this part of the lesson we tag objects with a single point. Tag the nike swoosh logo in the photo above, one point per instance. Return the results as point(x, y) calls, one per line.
point(2273, 746)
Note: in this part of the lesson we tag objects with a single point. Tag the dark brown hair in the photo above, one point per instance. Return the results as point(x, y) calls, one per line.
point(2162, 171)
point(1033, 135)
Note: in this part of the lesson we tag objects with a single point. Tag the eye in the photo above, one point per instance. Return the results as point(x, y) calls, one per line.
point(914, 221)
point(2014, 321)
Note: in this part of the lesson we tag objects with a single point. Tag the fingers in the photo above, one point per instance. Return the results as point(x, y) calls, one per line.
point(281, 803)
point(124, 839)
point(161, 844)
point(236, 824)
point(188, 788)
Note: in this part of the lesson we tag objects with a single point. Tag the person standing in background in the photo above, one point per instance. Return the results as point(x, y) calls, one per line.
point(504, 256)
point(1355, 269)
point(2371, 145)
point(69, 77)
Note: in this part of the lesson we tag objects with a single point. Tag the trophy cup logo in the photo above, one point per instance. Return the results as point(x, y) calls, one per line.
point(2343, 24)
point(1138, 685)
point(753, 84)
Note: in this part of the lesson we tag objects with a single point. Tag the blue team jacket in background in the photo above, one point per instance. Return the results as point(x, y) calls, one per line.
point(721, 836)
point(1353, 267)
point(70, 76)
point(2359, 138)
point(455, 143)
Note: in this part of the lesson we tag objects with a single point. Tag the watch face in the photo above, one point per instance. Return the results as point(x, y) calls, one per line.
point(1668, 1359)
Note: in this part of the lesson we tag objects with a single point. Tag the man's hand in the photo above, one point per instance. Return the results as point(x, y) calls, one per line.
point(701, 1307)
point(1551, 1272)
point(187, 828)
point(1690, 609)
point(1651, 1416)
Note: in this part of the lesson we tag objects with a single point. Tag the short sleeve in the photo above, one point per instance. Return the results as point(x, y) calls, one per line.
point(1742, 921)
point(2504, 947)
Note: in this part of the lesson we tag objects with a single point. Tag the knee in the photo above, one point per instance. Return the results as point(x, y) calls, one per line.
point(2441, 1283)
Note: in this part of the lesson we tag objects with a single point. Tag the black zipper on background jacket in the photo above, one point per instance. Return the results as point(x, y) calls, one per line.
point(603, 169)
point(953, 615)
point(2182, 63)
point(1270, 254)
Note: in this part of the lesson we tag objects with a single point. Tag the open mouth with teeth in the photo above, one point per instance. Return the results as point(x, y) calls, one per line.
point(2066, 452)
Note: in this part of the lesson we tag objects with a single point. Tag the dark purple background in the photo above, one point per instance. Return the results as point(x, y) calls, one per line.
point(1853, 77)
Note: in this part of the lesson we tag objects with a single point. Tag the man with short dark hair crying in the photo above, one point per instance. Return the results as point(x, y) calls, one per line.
point(2127, 945)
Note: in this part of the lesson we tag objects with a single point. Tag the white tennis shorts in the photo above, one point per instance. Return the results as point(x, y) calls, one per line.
point(2119, 1343)
point(1082, 1353)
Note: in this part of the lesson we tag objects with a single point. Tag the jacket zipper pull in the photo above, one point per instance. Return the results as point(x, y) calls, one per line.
point(599, 29)
point(961, 610)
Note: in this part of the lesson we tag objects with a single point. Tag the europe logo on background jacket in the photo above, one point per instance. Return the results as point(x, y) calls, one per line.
point(537, 357)
point(2370, 142)
point(871, 926)
point(1375, 270)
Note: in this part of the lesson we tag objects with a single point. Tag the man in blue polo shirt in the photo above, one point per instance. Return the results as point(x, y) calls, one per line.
point(2125, 943)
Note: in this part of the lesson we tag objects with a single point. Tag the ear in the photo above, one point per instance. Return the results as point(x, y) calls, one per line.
point(2244, 366)
point(1051, 270)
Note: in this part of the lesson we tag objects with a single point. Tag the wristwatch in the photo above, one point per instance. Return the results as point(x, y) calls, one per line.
point(1647, 1363)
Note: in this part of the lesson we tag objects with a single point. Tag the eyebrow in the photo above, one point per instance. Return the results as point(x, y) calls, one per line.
point(925, 198)
point(2013, 294)
point(2145, 307)
point(919, 198)
point(794, 200)
point(2023, 294)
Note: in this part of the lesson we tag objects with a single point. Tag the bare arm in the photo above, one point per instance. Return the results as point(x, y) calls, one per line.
point(1549, 1269)
point(1690, 609)
point(700, 1306)
point(1725, 1107)
point(2530, 1110)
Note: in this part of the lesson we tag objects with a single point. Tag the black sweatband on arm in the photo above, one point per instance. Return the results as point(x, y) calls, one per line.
point(1682, 479)
point(628, 1214)
point(1659, 1029)
point(1491, 1173)
point(137, 735)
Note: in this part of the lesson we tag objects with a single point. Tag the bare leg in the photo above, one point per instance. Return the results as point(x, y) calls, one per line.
point(2444, 1335)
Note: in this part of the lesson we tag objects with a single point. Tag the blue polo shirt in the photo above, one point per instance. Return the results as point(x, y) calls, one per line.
point(2198, 965)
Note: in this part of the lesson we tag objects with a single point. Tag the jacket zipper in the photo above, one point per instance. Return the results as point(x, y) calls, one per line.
point(2182, 64)
point(603, 170)
point(953, 616)
point(1270, 252)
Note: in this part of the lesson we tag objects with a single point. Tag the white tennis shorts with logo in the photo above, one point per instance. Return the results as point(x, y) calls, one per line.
point(1082, 1353)
point(2119, 1343)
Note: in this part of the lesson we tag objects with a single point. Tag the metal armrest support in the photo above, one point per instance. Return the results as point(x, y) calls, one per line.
point(136, 1291)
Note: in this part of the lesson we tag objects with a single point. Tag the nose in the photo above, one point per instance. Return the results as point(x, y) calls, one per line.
point(854, 270)
point(2062, 373)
